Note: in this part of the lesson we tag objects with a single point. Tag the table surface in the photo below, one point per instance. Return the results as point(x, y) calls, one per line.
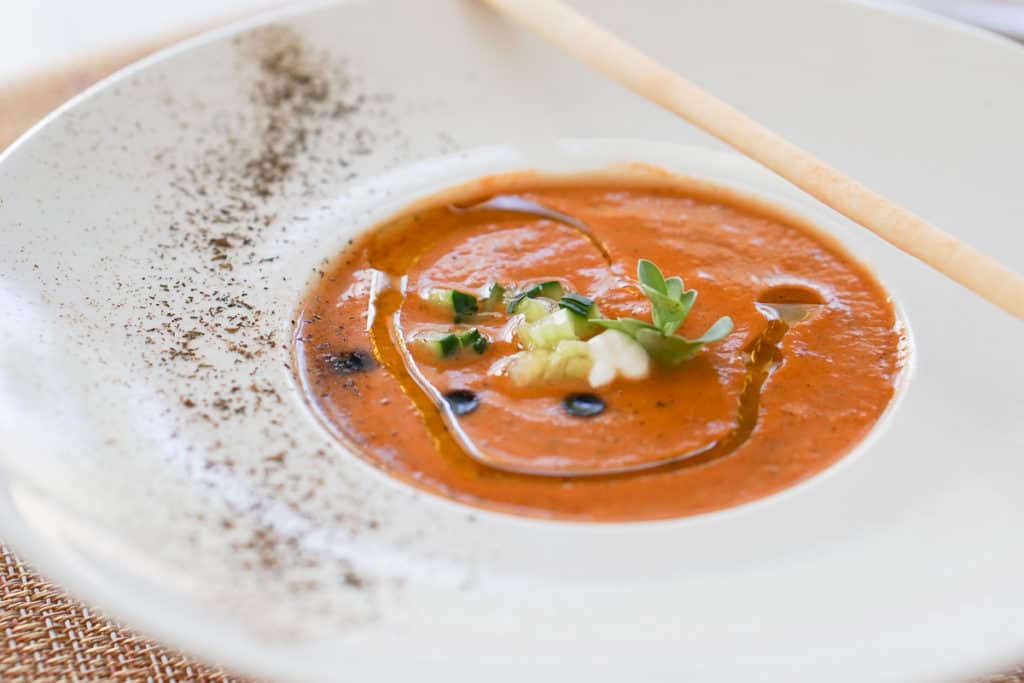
point(45, 635)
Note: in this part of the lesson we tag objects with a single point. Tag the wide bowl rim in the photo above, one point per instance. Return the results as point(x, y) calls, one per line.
point(164, 624)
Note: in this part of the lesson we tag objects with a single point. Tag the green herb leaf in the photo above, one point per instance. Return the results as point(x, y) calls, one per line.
point(628, 325)
point(674, 315)
point(720, 330)
point(649, 274)
point(670, 303)
point(670, 306)
point(667, 348)
point(674, 287)
point(672, 349)
point(668, 314)
point(578, 304)
point(687, 299)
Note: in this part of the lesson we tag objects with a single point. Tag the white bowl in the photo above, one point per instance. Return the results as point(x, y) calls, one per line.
point(901, 563)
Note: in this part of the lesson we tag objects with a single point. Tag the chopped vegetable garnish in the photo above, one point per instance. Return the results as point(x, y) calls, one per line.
point(514, 303)
point(534, 309)
point(473, 339)
point(462, 306)
point(441, 345)
point(562, 325)
point(527, 367)
point(549, 290)
point(670, 305)
point(495, 298)
point(447, 344)
point(568, 360)
point(579, 304)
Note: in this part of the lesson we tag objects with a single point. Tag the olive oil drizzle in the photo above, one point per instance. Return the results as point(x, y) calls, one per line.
point(510, 203)
point(762, 356)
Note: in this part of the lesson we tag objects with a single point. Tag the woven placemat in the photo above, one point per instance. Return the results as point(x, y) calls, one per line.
point(45, 635)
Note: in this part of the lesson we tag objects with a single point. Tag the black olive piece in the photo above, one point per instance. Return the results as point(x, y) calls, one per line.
point(462, 401)
point(348, 362)
point(583, 405)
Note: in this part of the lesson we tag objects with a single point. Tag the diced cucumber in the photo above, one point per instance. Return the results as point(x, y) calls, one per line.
point(573, 349)
point(551, 290)
point(495, 298)
point(447, 344)
point(441, 345)
point(582, 309)
point(472, 339)
point(583, 328)
point(600, 361)
point(579, 304)
point(570, 360)
point(577, 358)
point(527, 367)
point(534, 309)
point(561, 325)
point(440, 297)
point(548, 331)
point(554, 369)
point(464, 305)
point(578, 368)
point(461, 305)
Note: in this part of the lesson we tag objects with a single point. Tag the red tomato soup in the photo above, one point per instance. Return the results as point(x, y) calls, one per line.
point(533, 345)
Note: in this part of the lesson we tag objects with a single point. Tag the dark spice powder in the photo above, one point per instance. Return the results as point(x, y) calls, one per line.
point(199, 321)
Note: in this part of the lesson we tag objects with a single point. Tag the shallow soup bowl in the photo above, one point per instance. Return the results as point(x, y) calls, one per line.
point(158, 457)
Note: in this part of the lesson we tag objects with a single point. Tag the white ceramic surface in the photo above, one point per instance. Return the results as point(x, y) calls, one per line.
point(227, 522)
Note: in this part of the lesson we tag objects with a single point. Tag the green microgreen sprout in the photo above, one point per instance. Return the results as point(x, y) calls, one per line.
point(670, 305)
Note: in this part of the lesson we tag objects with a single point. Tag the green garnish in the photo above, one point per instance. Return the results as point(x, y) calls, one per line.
point(473, 339)
point(441, 345)
point(514, 303)
point(460, 304)
point(495, 297)
point(464, 305)
point(535, 309)
point(578, 304)
point(670, 304)
point(549, 290)
point(568, 360)
point(447, 344)
point(548, 331)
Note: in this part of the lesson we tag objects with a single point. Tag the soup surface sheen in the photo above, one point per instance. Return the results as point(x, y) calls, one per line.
point(810, 366)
